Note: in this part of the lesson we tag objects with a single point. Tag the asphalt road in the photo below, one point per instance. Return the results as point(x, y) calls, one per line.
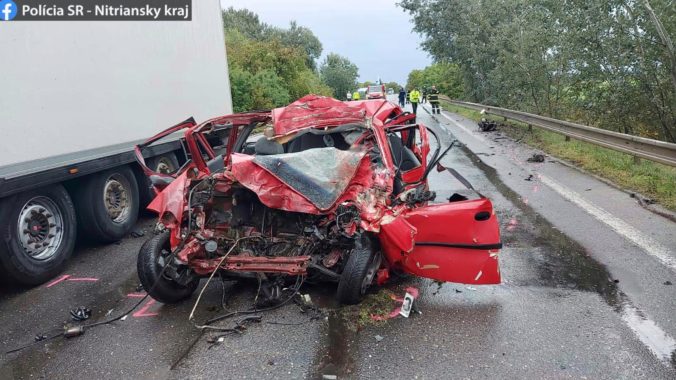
point(584, 296)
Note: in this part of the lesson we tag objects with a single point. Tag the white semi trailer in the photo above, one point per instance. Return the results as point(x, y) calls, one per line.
point(75, 98)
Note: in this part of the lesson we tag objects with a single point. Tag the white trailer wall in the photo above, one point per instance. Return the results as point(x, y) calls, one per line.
point(69, 86)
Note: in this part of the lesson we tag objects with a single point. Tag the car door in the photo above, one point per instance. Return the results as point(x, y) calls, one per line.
point(453, 242)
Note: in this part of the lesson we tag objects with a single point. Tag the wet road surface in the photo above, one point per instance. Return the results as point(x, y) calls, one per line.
point(578, 301)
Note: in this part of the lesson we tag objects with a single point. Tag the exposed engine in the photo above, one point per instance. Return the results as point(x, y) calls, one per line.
point(237, 225)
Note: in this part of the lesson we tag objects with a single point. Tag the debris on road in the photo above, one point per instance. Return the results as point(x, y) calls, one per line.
point(487, 125)
point(407, 305)
point(379, 338)
point(530, 178)
point(536, 157)
point(80, 314)
point(137, 233)
point(667, 283)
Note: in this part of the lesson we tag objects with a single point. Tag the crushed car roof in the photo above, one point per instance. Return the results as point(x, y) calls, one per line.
point(316, 111)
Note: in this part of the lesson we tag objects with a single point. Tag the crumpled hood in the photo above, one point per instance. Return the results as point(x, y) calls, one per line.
point(311, 181)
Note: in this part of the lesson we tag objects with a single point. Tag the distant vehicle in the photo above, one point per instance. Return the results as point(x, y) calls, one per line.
point(362, 92)
point(390, 91)
point(375, 92)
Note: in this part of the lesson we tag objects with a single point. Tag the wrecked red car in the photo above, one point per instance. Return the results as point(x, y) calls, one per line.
point(333, 191)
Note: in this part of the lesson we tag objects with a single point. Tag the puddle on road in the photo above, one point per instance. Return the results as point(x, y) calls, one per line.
point(563, 263)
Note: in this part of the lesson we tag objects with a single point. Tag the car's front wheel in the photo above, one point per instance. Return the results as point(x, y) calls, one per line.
point(359, 272)
point(152, 258)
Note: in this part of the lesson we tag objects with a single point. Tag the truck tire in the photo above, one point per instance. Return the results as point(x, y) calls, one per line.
point(149, 270)
point(358, 273)
point(107, 204)
point(38, 230)
point(165, 163)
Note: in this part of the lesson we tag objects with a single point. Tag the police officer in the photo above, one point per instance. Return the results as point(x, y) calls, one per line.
point(402, 97)
point(415, 99)
point(433, 97)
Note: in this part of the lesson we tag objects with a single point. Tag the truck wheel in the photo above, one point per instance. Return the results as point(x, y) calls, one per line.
point(107, 204)
point(38, 231)
point(151, 259)
point(165, 163)
point(359, 272)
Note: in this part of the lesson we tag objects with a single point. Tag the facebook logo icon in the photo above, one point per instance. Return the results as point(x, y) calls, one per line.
point(8, 10)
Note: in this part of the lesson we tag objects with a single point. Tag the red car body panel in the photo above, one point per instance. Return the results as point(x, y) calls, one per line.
point(455, 241)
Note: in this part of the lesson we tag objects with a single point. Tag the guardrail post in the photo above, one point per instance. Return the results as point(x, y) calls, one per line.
point(567, 138)
point(530, 127)
point(637, 160)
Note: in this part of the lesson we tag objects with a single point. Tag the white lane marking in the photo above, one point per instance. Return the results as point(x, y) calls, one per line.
point(661, 344)
point(649, 245)
point(478, 137)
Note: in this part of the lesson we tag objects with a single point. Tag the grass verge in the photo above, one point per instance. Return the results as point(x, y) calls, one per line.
point(648, 178)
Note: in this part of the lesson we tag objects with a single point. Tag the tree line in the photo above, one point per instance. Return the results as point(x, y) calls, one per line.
point(271, 66)
point(606, 63)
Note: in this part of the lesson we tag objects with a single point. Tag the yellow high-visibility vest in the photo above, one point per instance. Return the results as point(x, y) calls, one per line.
point(415, 96)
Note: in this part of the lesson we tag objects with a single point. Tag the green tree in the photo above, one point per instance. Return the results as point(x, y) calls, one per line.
point(583, 60)
point(340, 74)
point(269, 67)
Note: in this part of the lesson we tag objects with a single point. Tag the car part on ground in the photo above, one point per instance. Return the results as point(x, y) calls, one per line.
point(347, 201)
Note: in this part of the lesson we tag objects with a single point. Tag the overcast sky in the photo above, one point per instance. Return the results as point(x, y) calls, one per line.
point(374, 34)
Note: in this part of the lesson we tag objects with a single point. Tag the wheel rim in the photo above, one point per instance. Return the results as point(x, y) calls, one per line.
point(116, 198)
point(164, 166)
point(40, 228)
point(371, 272)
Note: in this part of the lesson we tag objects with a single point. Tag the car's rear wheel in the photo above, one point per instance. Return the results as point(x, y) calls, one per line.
point(359, 272)
point(152, 258)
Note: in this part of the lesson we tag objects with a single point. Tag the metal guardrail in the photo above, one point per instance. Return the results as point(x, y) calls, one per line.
point(654, 150)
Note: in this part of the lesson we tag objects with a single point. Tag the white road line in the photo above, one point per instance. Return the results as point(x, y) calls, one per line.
point(661, 344)
point(649, 245)
point(480, 138)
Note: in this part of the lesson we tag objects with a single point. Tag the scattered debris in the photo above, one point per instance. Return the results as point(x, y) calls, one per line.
point(137, 233)
point(536, 157)
point(73, 331)
point(530, 178)
point(667, 283)
point(470, 288)
point(407, 305)
point(458, 291)
point(40, 337)
point(488, 125)
point(616, 281)
point(80, 314)
point(329, 377)
point(587, 189)
point(139, 288)
point(379, 338)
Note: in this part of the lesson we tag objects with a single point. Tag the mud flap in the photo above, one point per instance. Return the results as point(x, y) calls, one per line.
point(455, 242)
